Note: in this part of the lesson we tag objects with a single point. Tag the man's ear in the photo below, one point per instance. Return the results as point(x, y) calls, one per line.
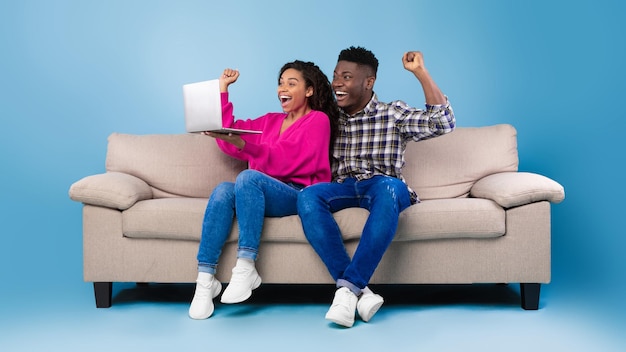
point(369, 82)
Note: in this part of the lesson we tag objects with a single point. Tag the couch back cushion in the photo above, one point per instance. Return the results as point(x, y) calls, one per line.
point(174, 165)
point(448, 166)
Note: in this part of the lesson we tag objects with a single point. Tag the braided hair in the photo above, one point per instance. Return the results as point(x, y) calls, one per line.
point(323, 98)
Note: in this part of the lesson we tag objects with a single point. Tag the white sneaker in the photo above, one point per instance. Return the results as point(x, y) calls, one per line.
point(368, 304)
point(202, 303)
point(343, 308)
point(243, 281)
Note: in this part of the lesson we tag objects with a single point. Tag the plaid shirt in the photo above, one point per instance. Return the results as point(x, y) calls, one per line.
point(372, 142)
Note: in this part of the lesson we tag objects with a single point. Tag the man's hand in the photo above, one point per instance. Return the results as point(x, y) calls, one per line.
point(227, 78)
point(413, 61)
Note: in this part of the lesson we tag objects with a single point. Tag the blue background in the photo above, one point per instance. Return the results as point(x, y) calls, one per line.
point(72, 72)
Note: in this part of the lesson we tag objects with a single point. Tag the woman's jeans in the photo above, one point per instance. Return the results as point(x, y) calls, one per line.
point(252, 197)
point(384, 197)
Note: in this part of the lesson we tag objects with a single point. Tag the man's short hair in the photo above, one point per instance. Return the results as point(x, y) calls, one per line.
point(360, 56)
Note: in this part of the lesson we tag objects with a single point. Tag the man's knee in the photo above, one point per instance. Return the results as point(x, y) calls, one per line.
point(393, 190)
point(392, 183)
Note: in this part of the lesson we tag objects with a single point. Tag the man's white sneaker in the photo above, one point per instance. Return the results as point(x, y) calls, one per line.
point(243, 281)
point(343, 309)
point(202, 303)
point(368, 305)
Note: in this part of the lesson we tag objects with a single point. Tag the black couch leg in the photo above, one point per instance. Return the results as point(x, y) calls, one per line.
point(103, 292)
point(530, 296)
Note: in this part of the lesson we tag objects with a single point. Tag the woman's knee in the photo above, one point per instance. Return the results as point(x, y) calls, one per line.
point(223, 192)
point(248, 176)
point(247, 180)
point(308, 200)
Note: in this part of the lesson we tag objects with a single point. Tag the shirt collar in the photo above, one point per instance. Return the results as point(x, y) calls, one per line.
point(370, 108)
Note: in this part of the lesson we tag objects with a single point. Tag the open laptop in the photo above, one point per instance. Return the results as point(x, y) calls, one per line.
point(203, 108)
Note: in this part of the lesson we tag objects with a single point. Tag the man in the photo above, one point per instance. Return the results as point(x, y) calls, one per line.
point(368, 160)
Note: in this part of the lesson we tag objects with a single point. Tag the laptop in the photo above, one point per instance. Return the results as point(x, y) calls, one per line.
point(203, 108)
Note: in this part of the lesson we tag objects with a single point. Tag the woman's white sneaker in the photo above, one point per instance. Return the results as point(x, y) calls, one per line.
point(202, 304)
point(245, 278)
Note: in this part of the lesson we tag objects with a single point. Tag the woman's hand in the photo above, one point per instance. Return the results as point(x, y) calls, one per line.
point(233, 139)
point(228, 77)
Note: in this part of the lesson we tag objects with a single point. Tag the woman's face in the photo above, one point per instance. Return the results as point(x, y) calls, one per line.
point(292, 91)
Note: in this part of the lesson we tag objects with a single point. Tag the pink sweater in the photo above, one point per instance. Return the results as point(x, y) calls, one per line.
point(299, 154)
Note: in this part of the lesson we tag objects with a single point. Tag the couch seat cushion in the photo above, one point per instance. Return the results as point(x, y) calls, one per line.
point(451, 218)
point(181, 219)
point(169, 218)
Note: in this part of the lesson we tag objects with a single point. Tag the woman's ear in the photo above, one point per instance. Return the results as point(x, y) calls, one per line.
point(309, 92)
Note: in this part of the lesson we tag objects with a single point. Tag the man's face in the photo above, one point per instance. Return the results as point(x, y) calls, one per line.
point(353, 85)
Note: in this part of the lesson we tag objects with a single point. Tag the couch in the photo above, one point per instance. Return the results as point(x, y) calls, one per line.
point(480, 220)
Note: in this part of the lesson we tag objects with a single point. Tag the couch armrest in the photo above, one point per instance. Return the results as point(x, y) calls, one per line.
point(111, 190)
point(511, 189)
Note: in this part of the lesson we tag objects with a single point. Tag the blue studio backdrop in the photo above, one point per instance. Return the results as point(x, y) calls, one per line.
point(73, 72)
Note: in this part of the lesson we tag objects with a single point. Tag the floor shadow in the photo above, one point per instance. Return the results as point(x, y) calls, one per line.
point(437, 295)
point(129, 293)
point(422, 295)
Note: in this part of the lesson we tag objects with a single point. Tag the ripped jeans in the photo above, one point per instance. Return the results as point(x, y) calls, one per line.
point(385, 197)
point(253, 196)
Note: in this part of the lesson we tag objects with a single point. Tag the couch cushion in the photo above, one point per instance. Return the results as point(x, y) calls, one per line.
point(451, 218)
point(186, 165)
point(511, 189)
point(111, 189)
point(448, 166)
point(168, 218)
point(181, 219)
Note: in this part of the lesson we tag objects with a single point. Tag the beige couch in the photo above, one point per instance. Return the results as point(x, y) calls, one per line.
point(480, 220)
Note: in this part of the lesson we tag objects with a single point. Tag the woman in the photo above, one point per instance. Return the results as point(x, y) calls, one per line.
point(291, 153)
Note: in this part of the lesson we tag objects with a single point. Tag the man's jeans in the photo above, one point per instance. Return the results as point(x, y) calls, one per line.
point(384, 197)
point(253, 196)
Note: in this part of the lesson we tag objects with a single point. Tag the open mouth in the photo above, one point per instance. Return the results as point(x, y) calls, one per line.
point(284, 99)
point(340, 94)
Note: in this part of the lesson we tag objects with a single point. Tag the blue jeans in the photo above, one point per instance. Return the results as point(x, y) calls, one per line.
point(384, 197)
point(253, 196)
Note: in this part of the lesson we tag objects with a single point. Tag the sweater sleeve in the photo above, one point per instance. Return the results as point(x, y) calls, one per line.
point(228, 120)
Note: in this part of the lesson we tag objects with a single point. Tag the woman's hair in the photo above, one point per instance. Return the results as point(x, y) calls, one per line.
point(323, 98)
